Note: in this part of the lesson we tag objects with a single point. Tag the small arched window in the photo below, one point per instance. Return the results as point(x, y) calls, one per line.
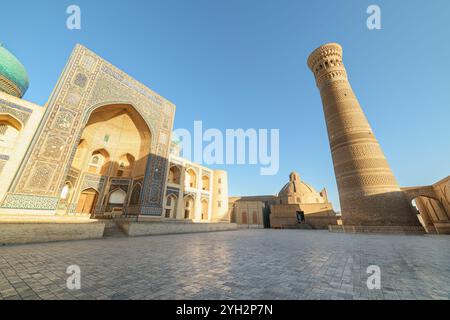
point(126, 163)
point(96, 163)
point(174, 175)
point(205, 183)
point(95, 160)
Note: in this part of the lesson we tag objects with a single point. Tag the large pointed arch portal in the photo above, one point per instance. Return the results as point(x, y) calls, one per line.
point(112, 156)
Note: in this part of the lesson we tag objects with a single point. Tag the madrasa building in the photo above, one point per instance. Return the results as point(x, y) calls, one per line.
point(99, 148)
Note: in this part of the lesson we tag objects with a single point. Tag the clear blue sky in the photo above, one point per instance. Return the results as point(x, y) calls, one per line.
point(242, 64)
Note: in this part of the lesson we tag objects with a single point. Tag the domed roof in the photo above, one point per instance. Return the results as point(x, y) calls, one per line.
point(304, 189)
point(298, 188)
point(13, 76)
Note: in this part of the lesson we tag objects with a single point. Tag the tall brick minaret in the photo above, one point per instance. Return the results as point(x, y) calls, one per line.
point(368, 191)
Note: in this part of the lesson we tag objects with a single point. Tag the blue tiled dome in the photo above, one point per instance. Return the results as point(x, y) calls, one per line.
point(13, 76)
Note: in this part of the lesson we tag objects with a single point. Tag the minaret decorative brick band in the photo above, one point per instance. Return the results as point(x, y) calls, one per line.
point(368, 191)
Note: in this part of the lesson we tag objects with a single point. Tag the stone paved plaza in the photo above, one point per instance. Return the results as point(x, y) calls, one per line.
point(251, 264)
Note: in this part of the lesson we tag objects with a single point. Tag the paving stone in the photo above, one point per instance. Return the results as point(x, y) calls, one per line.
point(246, 264)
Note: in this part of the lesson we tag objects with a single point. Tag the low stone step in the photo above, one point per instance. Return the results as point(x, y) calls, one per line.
point(297, 227)
point(112, 230)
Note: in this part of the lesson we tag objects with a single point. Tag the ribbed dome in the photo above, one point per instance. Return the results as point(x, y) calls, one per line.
point(13, 76)
point(300, 190)
point(304, 189)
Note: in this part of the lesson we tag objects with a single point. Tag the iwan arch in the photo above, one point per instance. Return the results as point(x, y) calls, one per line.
point(99, 148)
point(114, 145)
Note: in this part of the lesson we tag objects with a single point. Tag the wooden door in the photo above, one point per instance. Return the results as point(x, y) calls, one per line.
point(244, 218)
point(255, 217)
point(87, 202)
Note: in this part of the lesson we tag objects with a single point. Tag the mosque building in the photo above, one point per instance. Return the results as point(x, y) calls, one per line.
point(297, 206)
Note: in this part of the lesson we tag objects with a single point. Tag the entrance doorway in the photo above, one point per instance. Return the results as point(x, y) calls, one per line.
point(301, 217)
point(87, 202)
point(189, 208)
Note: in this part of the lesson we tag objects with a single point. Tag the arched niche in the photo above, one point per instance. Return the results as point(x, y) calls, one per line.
point(125, 166)
point(99, 162)
point(189, 207)
point(206, 183)
point(174, 175)
point(170, 206)
point(191, 179)
point(117, 197)
point(136, 195)
point(10, 129)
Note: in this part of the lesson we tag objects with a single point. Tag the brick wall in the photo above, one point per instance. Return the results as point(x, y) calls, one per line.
point(158, 228)
point(30, 232)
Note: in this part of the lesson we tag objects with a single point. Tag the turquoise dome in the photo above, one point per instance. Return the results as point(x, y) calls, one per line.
point(13, 76)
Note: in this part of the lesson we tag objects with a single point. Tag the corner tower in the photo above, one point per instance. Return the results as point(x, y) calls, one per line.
point(368, 191)
point(220, 197)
